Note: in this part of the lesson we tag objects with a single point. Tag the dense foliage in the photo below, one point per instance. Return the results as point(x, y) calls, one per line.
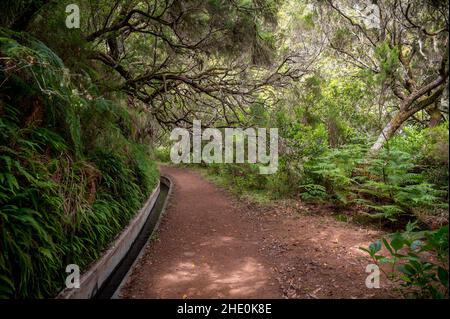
point(419, 277)
point(361, 104)
point(80, 107)
point(72, 175)
point(369, 136)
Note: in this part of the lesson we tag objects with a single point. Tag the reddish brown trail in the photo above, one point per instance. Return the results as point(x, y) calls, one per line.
point(210, 247)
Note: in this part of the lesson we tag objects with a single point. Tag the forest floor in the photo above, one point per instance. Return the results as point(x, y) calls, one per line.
point(211, 245)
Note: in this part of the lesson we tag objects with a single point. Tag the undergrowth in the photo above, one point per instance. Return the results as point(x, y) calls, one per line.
point(71, 173)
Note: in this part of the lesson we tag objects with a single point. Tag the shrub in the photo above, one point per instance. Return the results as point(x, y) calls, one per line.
point(419, 261)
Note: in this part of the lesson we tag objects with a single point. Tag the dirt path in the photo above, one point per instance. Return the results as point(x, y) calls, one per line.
point(206, 249)
point(210, 246)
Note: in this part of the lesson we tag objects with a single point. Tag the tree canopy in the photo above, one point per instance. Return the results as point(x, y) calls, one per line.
point(358, 91)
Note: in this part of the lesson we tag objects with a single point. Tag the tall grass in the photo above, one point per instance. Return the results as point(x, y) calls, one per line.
point(71, 174)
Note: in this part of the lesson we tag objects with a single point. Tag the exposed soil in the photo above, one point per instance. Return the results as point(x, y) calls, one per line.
point(212, 246)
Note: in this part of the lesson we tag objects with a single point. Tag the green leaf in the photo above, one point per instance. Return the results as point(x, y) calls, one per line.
point(443, 276)
point(398, 241)
point(388, 246)
point(385, 260)
point(406, 269)
point(375, 247)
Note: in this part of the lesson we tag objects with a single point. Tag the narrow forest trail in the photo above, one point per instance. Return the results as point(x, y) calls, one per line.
point(209, 247)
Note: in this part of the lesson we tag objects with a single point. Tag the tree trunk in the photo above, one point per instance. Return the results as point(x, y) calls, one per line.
point(416, 101)
point(332, 133)
point(389, 130)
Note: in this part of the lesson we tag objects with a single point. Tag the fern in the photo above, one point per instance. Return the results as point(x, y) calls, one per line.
point(68, 185)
